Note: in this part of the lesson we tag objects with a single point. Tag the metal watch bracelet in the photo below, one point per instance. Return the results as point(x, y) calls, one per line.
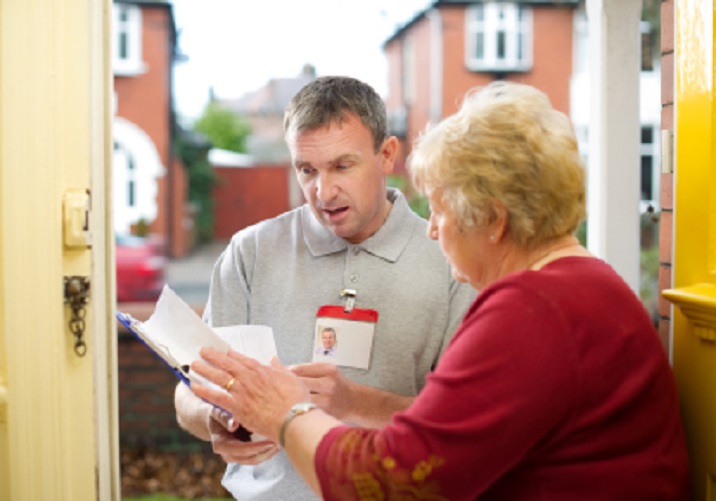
point(296, 410)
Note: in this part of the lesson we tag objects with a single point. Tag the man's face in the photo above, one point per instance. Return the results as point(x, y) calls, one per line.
point(343, 178)
point(329, 339)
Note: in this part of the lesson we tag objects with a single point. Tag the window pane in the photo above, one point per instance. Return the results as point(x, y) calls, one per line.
point(130, 193)
point(480, 46)
point(501, 45)
point(647, 135)
point(520, 46)
point(647, 183)
point(479, 12)
point(123, 49)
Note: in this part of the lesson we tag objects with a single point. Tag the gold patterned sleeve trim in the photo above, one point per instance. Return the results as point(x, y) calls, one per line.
point(362, 468)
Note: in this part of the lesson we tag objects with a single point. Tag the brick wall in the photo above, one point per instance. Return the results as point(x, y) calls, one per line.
point(146, 395)
point(667, 180)
point(145, 100)
point(246, 195)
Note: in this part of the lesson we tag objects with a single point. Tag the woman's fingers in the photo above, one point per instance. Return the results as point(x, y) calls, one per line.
point(218, 398)
point(212, 373)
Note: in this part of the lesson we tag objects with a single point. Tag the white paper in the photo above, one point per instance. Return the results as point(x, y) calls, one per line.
point(177, 329)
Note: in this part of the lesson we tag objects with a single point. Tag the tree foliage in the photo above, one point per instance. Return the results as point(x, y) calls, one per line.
point(193, 150)
point(416, 201)
point(223, 128)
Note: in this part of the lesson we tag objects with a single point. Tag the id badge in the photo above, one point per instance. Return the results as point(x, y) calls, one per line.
point(344, 337)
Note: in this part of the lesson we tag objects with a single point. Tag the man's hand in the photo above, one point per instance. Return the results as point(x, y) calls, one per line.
point(232, 450)
point(330, 389)
point(346, 400)
point(213, 424)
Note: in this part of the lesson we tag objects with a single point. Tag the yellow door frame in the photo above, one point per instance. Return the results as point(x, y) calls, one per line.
point(58, 431)
point(694, 244)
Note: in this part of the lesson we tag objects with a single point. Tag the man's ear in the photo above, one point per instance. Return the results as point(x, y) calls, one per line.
point(388, 153)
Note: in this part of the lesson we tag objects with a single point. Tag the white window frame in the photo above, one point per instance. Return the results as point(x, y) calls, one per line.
point(497, 18)
point(130, 29)
point(650, 152)
point(409, 71)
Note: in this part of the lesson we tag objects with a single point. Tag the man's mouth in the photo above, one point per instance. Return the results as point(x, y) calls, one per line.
point(335, 213)
point(337, 210)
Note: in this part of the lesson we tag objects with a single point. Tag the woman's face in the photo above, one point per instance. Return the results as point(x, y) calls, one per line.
point(465, 249)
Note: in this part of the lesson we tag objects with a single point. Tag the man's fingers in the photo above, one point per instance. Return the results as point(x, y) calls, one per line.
point(314, 385)
point(224, 418)
point(253, 459)
point(313, 370)
point(247, 453)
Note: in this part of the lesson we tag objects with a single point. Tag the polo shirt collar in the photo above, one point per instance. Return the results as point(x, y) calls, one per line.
point(387, 243)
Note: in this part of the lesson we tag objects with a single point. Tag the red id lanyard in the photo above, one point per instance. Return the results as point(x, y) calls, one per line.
point(344, 334)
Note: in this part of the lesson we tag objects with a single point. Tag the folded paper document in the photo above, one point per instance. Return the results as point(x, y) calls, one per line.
point(176, 334)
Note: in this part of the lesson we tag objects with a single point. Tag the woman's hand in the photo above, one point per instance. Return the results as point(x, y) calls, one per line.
point(259, 397)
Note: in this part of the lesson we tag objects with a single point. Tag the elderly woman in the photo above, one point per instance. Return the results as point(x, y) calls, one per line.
point(555, 387)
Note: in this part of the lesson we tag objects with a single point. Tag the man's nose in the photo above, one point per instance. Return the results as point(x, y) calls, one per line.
point(326, 187)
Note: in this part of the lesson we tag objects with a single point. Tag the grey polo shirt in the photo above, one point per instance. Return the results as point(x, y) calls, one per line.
point(280, 271)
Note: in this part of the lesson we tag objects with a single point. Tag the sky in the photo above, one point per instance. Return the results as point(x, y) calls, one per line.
point(237, 46)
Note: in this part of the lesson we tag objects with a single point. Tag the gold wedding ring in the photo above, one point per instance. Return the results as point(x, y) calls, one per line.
point(229, 384)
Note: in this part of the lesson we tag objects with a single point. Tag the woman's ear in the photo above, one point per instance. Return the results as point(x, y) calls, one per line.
point(498, 220)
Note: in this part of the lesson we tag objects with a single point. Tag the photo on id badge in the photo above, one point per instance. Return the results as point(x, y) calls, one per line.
point(343, 342)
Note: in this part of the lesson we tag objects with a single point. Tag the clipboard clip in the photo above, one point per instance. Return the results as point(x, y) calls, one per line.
point(350, 297)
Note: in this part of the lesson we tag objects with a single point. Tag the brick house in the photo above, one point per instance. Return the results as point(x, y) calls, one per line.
point(149, 187)
point(260, 183)
point(453, 45)
point(149, 182)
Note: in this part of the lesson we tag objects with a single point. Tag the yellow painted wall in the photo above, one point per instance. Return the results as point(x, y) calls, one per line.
point(694, 247)
point(57, 430)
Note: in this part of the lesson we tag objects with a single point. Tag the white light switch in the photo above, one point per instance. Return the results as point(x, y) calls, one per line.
point(76, 209)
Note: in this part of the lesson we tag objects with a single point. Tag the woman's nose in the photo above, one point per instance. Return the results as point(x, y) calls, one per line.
point(432, 229)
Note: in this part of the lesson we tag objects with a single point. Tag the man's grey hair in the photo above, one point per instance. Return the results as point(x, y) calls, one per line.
point(329, 99)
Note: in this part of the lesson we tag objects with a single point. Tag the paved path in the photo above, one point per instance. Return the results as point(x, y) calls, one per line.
point(189, 276)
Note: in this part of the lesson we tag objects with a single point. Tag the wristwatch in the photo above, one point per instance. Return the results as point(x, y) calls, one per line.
point(296, 410)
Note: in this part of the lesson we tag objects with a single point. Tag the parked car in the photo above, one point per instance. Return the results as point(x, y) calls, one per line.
point(141, 267)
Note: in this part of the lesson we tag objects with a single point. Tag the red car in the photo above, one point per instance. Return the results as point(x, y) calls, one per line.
point(141, 267)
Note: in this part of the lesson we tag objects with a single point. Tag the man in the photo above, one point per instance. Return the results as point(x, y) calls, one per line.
point(328, 342)
point(354, 241)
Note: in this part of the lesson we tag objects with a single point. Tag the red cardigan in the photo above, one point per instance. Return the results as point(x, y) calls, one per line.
point(555, 387)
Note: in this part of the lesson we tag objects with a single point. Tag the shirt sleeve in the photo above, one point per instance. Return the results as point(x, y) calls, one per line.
point(229, 292)
point(490, 402)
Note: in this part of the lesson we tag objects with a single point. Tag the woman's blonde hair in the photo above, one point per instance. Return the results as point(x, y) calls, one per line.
point(506, 144)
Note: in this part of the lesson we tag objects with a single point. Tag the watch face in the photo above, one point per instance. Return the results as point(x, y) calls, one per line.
point(304, 407)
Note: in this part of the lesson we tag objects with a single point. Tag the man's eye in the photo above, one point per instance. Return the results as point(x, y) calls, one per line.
point(306, 171)
point(342, 166)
